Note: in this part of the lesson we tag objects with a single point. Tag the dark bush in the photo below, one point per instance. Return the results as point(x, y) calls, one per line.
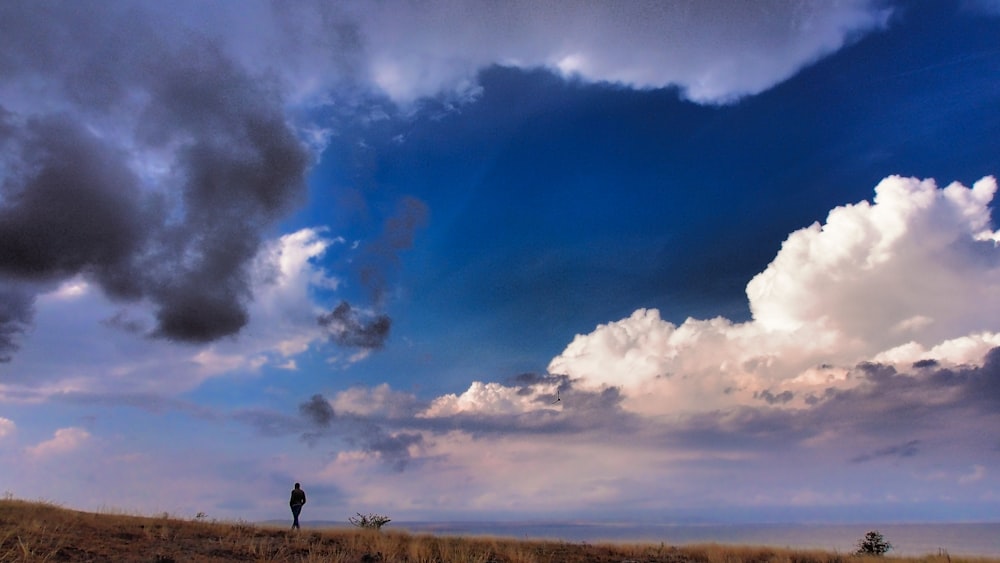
point(369, 521)
point(873, 544)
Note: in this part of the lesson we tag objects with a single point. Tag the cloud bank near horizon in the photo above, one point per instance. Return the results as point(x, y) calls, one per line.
point(803, 380)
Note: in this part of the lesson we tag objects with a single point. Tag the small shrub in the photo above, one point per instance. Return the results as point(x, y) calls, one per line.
point(873, 544)
point(242, 527)
point(369, 521)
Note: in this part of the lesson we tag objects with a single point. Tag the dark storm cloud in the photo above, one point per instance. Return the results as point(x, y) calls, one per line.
point(347, 327)
point(115, 92)
point(69, 203)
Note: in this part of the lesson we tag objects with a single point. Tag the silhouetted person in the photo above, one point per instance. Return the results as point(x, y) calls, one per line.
point(296, 502)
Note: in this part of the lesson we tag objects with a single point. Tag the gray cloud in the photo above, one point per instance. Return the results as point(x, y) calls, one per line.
point(526, 384)
point(907, 449)
point(16, 307)
point(149, 402)
point(122, 321)
point(79, 195)
point(368, 434)
point(380, 259)
point(739, 429)
point(910, 411)
point(391, 437)
point(318, 411)
point(771, 399)
point(270, 423)
point(74, 204)
point(392, 449)
point(346, 327)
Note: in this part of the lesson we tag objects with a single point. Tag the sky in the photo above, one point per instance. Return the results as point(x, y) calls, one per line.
point(708, 261)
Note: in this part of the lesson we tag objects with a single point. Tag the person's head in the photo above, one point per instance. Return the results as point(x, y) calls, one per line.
point(296, 485)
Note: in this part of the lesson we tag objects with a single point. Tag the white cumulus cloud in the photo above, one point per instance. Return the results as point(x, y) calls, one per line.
point(488, 398)
point(914, 274)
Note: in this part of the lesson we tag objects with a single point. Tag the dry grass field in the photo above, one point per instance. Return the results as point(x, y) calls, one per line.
point(40, 531)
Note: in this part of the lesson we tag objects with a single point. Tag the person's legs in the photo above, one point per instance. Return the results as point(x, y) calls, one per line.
point(295, 515)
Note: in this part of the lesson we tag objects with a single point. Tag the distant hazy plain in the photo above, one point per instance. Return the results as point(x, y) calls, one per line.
point(907, 539)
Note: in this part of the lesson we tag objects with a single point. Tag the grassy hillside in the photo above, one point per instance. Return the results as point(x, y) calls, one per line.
point(38, 531)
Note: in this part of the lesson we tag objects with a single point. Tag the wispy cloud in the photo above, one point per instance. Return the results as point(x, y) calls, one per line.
point(908, 449)
point(977, 474)
point(7, 427)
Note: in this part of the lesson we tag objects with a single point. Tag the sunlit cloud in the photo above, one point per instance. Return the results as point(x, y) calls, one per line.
point(713, 51)
point(64, 440)
point(876, 281)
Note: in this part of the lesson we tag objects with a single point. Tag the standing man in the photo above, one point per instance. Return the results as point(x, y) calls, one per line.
point(296, 502)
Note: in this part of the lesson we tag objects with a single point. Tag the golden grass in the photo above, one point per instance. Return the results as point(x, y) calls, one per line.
point(41, 531)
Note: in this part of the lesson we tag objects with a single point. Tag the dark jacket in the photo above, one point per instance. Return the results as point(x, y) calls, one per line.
point(298, 497)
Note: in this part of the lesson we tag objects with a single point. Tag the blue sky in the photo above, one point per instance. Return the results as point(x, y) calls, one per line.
point(461, 260)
